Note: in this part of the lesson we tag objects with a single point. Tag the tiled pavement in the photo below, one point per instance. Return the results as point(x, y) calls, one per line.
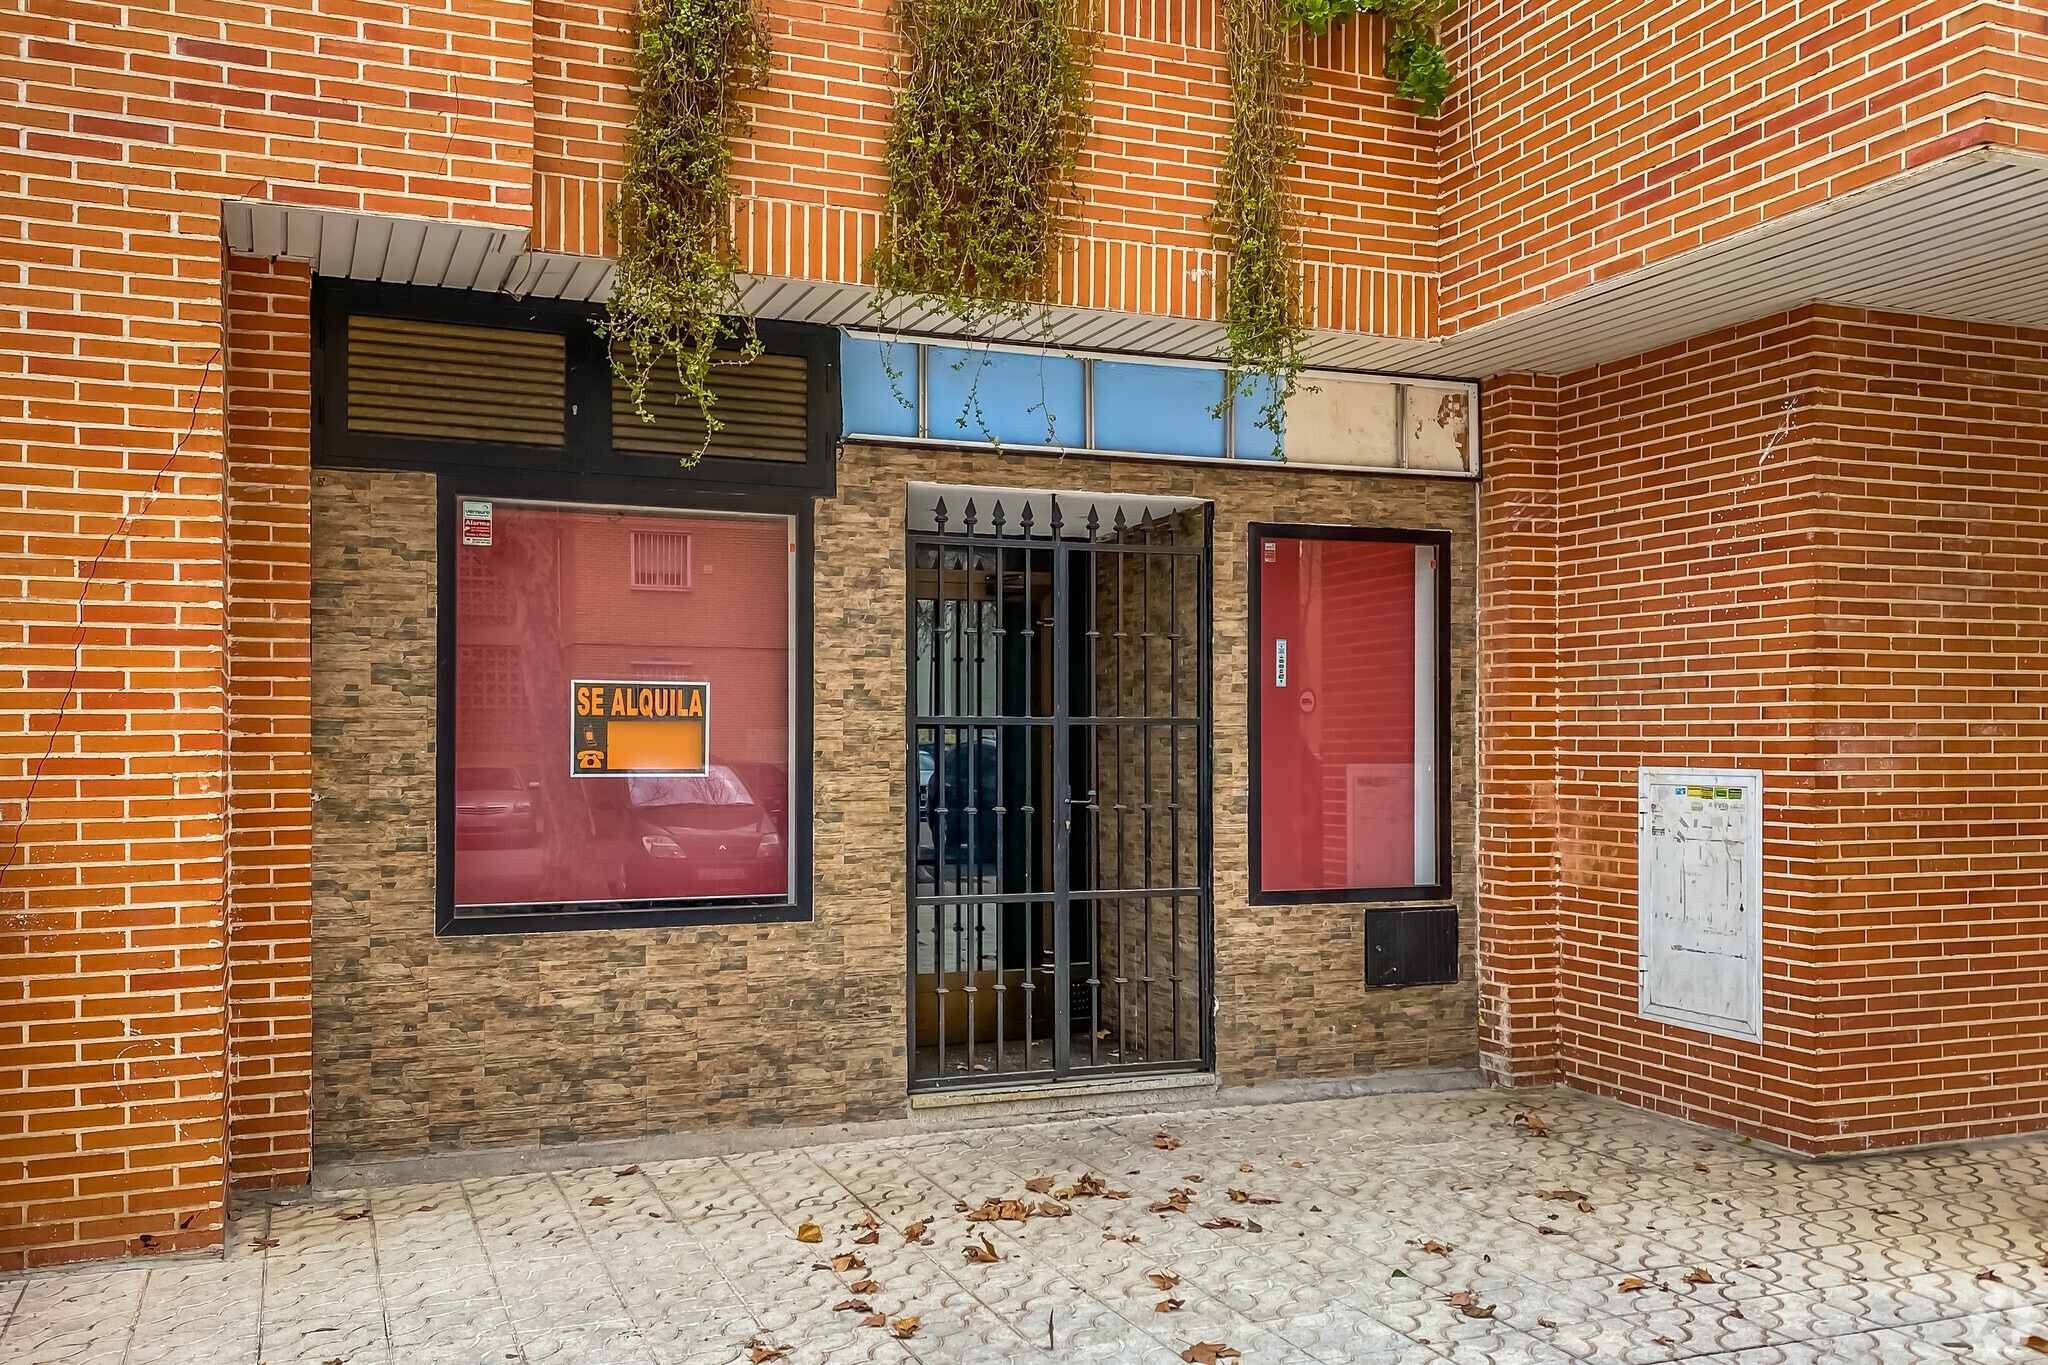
point(1384, 1212)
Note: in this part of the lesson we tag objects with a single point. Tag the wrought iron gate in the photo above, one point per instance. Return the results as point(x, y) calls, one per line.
point(1059, 812)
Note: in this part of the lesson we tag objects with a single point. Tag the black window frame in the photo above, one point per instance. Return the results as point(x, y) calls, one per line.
point(587, 471)
point(1257, 534)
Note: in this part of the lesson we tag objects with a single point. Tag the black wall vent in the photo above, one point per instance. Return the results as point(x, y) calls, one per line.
point(443, 381)
point(1411, 947)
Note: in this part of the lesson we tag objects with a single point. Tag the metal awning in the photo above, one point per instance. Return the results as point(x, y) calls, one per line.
point(1959, 238)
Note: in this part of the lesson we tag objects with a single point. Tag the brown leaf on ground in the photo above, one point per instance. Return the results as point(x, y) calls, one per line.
point(1991, 1275)
point(1176, 1201)
point(867, 1239)
point(1007, 1210)
point(1585, 1206)
point(1536, 1126)
point(1238, 1196)
point(852, 1306)
point(1168, 1305)
point(1562, 1196)
point(263, 1244)
point(1663, 1341)
point(1161, 1280)
point(982, 1253)
point(1116, 1194)
point(352, 1217)
point(846, 1261)
point(1192, 1179)
point(1039, 1184)
point(761, 1354)
point(866, 1287)
point(1045, 1208)
point(1297, 1165)
point(599, 1201)
point(1632, 1284)
point(627, 1170)
point(1245, 1166)
point(1218, 1224)
point(1165, 1142)
point(1699, 1165)
point(1436, 1248)
point(1545, 1322)
point(1209, 1352)
point(960, 1208)
point(1698, 1276)
point(1476, 1310)
point(914, 1232)
point(809, 1232)
point(1253, 1225)
point(1086, 1186)
point(2038, 1344)
point(1733, 1313)
point(875, 1320)
point(1256, 1201)
point(904, 1327)
point(1459, 1299)
point(868, 1220)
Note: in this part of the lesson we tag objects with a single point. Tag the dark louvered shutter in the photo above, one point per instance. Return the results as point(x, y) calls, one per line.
point(761, 405)
point(441, 381)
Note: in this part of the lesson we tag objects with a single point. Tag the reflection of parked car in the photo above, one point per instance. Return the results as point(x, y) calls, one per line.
point(972, 778)
point(700, 836)
point(494, 808)
point(769, 783)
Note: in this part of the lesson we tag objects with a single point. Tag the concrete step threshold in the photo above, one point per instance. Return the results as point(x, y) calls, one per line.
point(994, 1106)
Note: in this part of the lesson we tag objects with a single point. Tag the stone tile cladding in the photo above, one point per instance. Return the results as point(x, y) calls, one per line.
point(1816, 546)
point(423, 1044)
point(1590, 140)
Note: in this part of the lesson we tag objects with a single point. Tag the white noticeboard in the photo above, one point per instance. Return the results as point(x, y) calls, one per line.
point(1700, 887)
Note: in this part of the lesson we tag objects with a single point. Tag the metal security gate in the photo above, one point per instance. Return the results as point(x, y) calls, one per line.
point(1059, 812)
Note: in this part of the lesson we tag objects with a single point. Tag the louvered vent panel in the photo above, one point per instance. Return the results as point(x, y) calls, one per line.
point(451, 383)
point(762, 405)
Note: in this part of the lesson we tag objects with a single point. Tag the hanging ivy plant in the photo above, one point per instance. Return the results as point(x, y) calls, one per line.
point(1416, 62)
point(981, 154)
point(1264, 331)
point(694, 60)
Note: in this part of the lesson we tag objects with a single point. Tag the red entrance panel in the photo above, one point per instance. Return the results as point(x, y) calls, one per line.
point(1347, 725)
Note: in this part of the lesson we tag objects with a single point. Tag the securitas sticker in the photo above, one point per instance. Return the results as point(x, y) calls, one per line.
point(476, 522)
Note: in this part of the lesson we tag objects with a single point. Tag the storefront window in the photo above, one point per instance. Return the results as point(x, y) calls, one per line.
point(1348, 714)
point(622, 708)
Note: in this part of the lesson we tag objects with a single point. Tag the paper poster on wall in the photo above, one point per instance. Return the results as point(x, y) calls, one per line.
point(644, 729)
point(1700, 888)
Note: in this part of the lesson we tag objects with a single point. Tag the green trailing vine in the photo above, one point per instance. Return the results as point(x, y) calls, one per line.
point(694, 60)
point(1416, 62)
point(982, 151)
point(1265, 329)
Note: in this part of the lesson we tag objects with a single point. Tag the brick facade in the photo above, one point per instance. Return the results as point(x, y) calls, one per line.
point(1814, 546)
point(154, 711)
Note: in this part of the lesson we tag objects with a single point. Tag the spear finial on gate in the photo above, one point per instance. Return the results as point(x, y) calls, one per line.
point(967, 518)
point(939, 517)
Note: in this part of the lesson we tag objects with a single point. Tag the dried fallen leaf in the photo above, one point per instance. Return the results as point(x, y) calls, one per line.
point(866, 1287)
point(1733, 1313)
point(1585, 1206)
point(1699, 1165)
point(1562, 1196)
point(1545, 1322)
point(914, 1232)
point(1045, 1208)
point(1192, 1179)
point(1535, 1125)
point(1436, 1248)
point(1176, 1201)
point(1168, 1305)
point(263, 1243)
point(1160, 1280)
point(1245, 1167)
point(1165, 1142)
point(1218, 1224)
point(846, 1261)
point(352, 1217)
point(875, 1320)
point(627, 1170)
point(2038, 1344)
point(868, 1220)
point(982, 1253)
point(599, 1201)
point(1297, 1165)
point(904, 1327)
point(852, 1306)
point(809, 1232)
point(1662, 1341)
point(1039, 1185)
point(1238, 1196)
point(1209, 1352)
point(1698, 1276)
point(1991, 1275)
point(1632, 1284)
point(993, 1209)
point(1476, 1310)
point(867, 1239)
point(1116, 1194)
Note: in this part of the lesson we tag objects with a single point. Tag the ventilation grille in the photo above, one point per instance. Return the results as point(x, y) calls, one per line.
point(444, 382)
point(1411, 947)
point(762, 406)
point(661, 560)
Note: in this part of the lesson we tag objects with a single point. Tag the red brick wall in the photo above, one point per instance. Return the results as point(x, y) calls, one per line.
point(270, 425)
point(1815, 546)
point(1589, 140)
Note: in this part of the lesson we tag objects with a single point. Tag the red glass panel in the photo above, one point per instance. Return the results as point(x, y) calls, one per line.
point(1339, 697)
point(560, 594)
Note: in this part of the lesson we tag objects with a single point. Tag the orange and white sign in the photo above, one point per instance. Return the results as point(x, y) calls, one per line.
point(642, 729)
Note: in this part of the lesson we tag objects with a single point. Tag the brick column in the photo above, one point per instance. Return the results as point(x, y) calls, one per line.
point(270, 424)
point(1518, 732)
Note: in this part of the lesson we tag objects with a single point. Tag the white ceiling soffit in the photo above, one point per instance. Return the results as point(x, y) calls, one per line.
point(1960, 239)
